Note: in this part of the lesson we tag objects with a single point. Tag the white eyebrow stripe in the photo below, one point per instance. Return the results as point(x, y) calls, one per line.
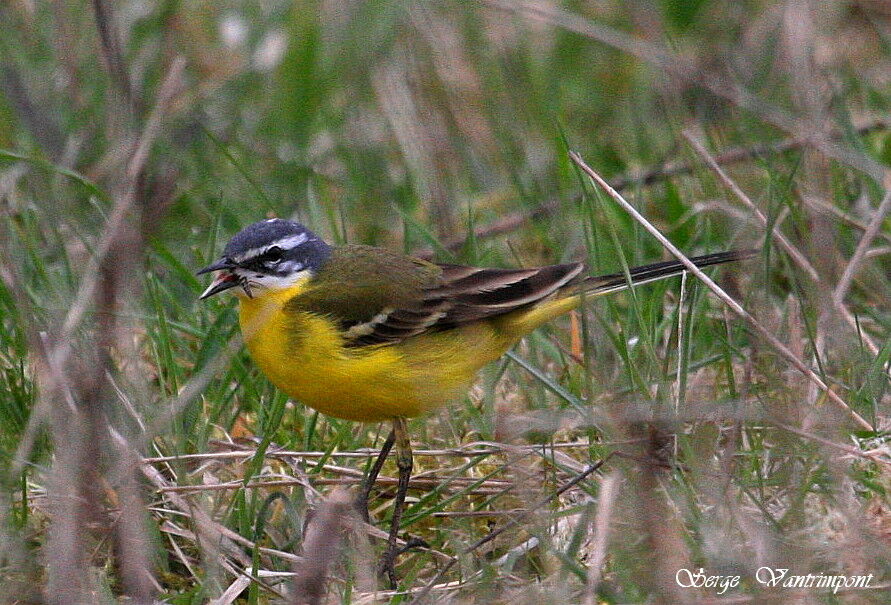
point(285, 243)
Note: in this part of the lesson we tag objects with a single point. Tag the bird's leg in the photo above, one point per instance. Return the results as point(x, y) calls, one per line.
point(404, 463)
point(362, 500)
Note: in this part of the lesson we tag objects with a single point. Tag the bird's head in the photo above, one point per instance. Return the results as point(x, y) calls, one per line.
point(270, 255)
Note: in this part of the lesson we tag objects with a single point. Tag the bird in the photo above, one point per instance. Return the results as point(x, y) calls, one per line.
point(366, 334)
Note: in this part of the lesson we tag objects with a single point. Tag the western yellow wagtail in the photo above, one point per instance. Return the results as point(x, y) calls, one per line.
point(365, 334)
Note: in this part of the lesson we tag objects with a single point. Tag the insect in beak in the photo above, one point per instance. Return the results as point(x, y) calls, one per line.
point(225, 279)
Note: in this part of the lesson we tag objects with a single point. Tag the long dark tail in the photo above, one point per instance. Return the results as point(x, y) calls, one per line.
point(614, 282)
point(560, 288)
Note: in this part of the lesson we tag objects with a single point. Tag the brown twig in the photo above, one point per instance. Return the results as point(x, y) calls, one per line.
point(57, 358)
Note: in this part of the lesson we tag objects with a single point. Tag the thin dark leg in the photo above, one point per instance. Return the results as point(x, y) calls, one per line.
point(368, 485)
point(404, 463)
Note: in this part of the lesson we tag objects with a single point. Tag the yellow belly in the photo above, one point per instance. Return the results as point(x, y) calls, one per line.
point(304, 356)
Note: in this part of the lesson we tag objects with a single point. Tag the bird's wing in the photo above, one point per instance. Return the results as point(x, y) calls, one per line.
point(463, 294)
point(378, 297)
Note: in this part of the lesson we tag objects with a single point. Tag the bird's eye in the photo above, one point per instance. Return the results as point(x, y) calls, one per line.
point(273, 255)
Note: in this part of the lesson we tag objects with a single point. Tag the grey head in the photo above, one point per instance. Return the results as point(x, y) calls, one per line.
point(270, 254)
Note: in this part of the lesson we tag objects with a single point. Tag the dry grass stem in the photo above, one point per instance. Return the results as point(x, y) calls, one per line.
point(719, 292)
point(422, 594)
point(797, 256)
point(609, 491)
point(467, 450)
point(872, 228)
point(512, 222)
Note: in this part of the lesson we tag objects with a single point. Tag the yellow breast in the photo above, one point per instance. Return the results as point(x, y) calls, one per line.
point(303, 355)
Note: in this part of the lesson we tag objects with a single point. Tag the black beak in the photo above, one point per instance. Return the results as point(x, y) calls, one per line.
point(223, 263)
point(223, 281)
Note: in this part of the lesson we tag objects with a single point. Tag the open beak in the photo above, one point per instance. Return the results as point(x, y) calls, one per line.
point(224, 280)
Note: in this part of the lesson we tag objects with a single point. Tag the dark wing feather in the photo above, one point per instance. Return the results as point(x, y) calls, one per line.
point(491, 292)
point(393, 325)
point(462, 294)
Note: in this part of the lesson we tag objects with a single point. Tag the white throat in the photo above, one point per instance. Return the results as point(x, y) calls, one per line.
point(257, 281)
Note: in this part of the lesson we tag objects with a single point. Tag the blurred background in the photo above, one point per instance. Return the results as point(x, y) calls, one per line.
point(143, 458)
